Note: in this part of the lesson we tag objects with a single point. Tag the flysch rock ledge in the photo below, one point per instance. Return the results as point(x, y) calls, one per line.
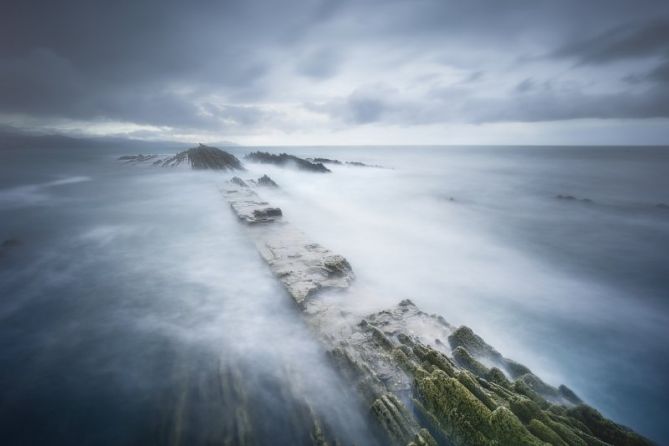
point(424, 381)
point(304, 267)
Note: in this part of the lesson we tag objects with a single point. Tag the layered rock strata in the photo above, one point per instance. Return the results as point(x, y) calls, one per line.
point(424, 381)
point(200, 158)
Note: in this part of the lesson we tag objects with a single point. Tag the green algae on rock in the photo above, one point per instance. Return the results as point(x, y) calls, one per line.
point(421, 391)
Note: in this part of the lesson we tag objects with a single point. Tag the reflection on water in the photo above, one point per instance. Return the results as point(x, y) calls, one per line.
point(135, 309)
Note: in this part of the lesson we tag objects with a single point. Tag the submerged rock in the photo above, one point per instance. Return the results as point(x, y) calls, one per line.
point(350, 163)
point(266, 181)
point(283, 159)
point(324, 161)
point(239, 182)
point(137, 158)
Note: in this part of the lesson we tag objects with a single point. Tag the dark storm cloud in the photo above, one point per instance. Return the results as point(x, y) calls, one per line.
point(628, 41)
point(216, 65)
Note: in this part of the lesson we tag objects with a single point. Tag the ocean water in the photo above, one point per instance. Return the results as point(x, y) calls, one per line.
point(128, 287)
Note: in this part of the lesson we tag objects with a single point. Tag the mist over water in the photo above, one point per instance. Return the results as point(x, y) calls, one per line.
point(126, 276)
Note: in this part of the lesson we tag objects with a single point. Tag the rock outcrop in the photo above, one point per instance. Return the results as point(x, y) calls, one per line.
point(266, 181)
point(283, 159)
point(201, 157)
point(424, 381)
point(304, 267)
point(337, 162)
point(247, 204)
point(205, 157)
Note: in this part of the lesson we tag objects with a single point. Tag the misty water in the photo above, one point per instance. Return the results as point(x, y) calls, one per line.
point(128, 289)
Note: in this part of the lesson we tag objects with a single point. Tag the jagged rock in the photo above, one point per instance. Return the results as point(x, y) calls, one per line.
point(606, 430)
point(466, 361)
point(205, 157)
point(238, 181)
point(283, 159)
point(466, 338)
point(266, 181)
point(200, 157)
point(569, 394)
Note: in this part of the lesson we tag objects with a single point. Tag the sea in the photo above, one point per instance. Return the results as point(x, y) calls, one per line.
point(126, 289)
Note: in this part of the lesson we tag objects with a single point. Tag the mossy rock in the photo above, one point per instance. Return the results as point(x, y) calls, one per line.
point(435, 358)
point(395, 419)
point(466, 361)
point(569, 395)
point(465, 337)
point(509, 431)
point(463, 417)
point(545, 433)
point(526, 409)
point(423, 438)
point(498, 377)
point(566, 433)
point(522, 388)
point(605, 429)
point(466, 379)
point(537, 385)
point(515, 369)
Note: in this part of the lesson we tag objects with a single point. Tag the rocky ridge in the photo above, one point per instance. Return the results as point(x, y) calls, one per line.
point(199, 158)
point(284, 160)
point(424, 381)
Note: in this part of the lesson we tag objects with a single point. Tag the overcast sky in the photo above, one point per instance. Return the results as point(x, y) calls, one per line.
point(339, 71)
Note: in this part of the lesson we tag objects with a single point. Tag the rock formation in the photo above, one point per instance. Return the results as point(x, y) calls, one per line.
point(266, 181)
point(205, 157)
point(303, 266)
point(424, 381)
point(350, 163)
point(200, 158)
point(283, 159)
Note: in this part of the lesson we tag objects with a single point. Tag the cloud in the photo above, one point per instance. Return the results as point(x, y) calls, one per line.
point(243, 67)
point(628, 41)
point(319, 64)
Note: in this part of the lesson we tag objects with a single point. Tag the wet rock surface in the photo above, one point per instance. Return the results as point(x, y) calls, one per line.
point(247, 205)
point(303, 266)
point(424, 381)
point(285, 160)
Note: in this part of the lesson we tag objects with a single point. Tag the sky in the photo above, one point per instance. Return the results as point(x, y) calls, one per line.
point(339, 71)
